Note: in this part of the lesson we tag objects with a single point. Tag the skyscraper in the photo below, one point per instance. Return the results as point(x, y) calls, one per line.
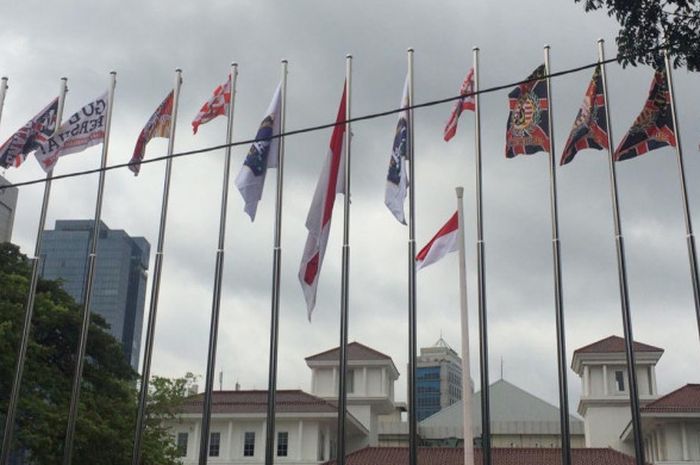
point(438, 379)
point(8, 204)
point(119, 290)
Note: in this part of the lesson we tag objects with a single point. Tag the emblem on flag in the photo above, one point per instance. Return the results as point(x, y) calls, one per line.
point(215, 106)
point(467, 102)
point(590, 130)
point(397, 179)
point(528, 126)
point(28, 138)
point(158, 125)
point(653, 128)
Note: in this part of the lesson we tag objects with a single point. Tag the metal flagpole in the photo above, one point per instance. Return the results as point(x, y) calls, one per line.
point(342, 388)
point(218, 277)
point(276, 272)
point(622, 273)
point(558, 295)
point(3, 91)
point(89, 281)
point(155, 285)
point(29, 309)
point(690, 237)
point(464, 323)
point(412, 327)
point(481, 278)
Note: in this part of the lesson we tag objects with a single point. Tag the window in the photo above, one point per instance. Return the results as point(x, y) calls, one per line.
point(350, 381)
point(282, 443)
point(249, 444)
point(321, 455)
point(214, 444)
point(181, 444)
point(620, 381)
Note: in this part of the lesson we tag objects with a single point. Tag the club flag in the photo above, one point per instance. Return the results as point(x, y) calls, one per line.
point(397, 179)
point(215, 106)
point(653, 128)
point(158, 125)
point(83, 129)
point(590, 129)
point(528, 125)
point(261, 156)
point(28, 138)
point(318, 221)
point(467, 102)
point(444, 242)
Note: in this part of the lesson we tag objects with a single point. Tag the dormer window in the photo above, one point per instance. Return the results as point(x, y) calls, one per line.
point(620, 380)
point(350, 381)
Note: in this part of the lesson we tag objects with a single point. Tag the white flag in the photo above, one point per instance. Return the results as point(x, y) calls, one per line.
point(261, 156)
point(82, 130)
point(397, 179)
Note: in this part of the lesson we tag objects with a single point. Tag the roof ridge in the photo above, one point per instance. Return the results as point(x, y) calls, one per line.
point(668, 395)
point(640, 346)
point(353, 342)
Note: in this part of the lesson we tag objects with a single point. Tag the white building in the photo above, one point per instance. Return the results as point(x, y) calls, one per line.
point(8, 204)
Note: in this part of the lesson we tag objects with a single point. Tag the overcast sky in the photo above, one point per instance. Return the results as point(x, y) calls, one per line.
point(144, 41)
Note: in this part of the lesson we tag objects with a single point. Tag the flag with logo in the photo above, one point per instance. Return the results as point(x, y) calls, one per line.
point(653, 128)
point(215, 106)
point(318, 221)
point(444, 242)
point(590, 130)
point(83, 129)
point(397, 179)
point(528, 125)
point(158, 125)
point(28, 138)
point(467, 102)
point(261, 156)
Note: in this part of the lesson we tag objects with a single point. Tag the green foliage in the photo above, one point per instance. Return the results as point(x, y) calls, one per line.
point(108, 401)
point(649, 24)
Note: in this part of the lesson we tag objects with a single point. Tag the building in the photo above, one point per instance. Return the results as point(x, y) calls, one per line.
point(119, 290)
point(438, 379)
point(8, 205)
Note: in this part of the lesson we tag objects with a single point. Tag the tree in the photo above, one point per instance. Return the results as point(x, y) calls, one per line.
point(647, 25)
point(108, 400)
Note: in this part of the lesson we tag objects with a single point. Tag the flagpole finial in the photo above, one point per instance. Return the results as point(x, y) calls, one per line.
point(284, 60)
point(348, 56)
point(4, 78)
point(460, 192)
point(410, 50)
point(178, 70)
point(547, 47)
point(234, 64)
point(475, 48)
point(114, 73)
point(601, 40)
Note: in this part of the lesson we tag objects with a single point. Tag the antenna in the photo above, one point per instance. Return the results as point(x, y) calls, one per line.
point(221, 380)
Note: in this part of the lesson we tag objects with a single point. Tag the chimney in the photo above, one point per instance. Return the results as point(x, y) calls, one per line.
point(238, 386)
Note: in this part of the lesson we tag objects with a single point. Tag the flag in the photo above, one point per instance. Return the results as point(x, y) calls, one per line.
point(444, 242)
point(528, 127)
point(158, 125)
point(653, 128)
point(28, 138)
point(261, 156)
point(397, 179)
point(318, 221)
point(467, 102)
point(215, 106)
point(83, 129)
point(590, 129)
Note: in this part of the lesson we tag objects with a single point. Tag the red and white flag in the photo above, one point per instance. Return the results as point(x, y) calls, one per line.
point(444, 242)
point(467, 102)
point(318, 221)
point(215, 106)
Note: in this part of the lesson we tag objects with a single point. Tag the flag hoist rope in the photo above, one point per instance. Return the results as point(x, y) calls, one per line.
point(218, 278)
point(29, 308)
point(155, 285)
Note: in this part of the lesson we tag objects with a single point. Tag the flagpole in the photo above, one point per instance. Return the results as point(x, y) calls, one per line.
point(342, 388)
point(29, 308)
point(690, 237)
point(89, 281)
point(218, 277)
point(622, 273)
point(481, 278)
point(464, 323)
point(3, 91)
point(155, 285)
point(558, 294)
point(276, 273)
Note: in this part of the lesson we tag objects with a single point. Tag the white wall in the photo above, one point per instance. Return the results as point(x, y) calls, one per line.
point(604, 425)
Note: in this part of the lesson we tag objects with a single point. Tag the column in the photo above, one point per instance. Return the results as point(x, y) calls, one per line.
point(335, 380)
point(684, 442)
point(385, 391)
point(229, 440)
point(605, 380)
point(653, 379)
point(364, 375)
point(586, 381)
point(300, 441)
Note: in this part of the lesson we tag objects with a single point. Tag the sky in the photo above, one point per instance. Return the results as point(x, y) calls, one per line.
point(144, 41)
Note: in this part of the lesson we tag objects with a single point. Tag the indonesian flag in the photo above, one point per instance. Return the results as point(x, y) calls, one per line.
point(215, 106)
point(158, 125)
point(467, 102)
point(318, 222)
point(444, 242)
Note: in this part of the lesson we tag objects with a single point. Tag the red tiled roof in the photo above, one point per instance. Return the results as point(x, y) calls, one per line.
point(293, 401)
point(683, 400)
point(455, 456)
point(356, 351)
point(614, 344)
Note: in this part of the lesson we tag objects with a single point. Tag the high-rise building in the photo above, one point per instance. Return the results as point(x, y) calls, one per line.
point(119, 290)
point(8, 204)
point(438, 379)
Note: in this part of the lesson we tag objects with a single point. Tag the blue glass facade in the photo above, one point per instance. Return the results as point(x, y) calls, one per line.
point(427, 391)
point(119, 291)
